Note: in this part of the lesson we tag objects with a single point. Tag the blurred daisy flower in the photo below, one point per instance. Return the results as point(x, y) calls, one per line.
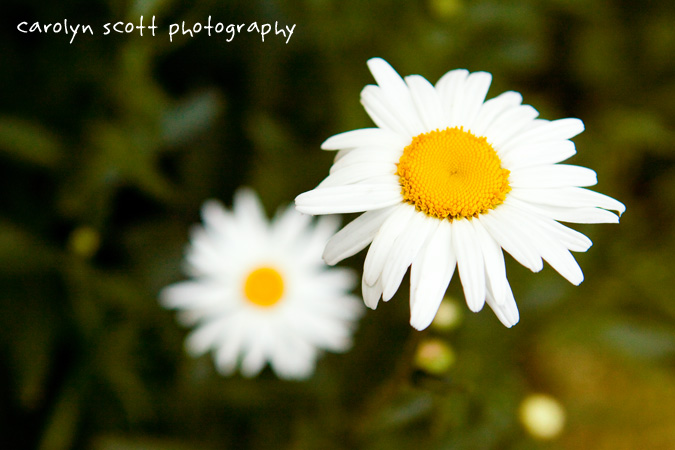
point(448, 179)
point(260, 291)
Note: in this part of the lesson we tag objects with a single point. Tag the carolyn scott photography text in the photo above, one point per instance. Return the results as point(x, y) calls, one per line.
point(230, 31)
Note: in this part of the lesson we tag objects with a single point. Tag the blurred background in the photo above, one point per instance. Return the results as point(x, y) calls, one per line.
point(109, 145)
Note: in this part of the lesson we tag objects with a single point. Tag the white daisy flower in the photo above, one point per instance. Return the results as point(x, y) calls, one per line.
point(448, 179)
point(260, 291)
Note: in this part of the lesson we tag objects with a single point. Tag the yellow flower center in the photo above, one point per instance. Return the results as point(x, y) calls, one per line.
point(452, 174)
point(264, 287)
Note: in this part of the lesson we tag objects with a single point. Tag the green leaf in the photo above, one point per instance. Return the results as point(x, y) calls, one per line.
point(191, 116)
point(21, 252)
point(29, 325)
point(29, 142)
point(63, 422)
point(117, 442)
point(408, 407)
point(639, 339)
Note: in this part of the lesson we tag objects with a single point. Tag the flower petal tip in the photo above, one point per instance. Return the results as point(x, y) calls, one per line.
point(329, 259)
point(420, 322)
point(330, 144)
point(419, 326)
point(375, 62)
point(301, 204)
point(620, 208)
point(475, 306)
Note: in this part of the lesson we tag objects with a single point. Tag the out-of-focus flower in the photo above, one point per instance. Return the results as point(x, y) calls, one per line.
point(448, 179)
point(84, 241)
point(449, 315)
point(260, 291)
point(444, 9)
point(435, 356)
point(542, 416)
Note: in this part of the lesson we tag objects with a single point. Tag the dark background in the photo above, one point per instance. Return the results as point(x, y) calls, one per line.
point(109, 145)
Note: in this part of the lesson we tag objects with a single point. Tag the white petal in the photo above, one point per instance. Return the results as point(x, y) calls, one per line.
point(552, 176)
point(475, 90)
point(492, 109)
point(289, 225)
point(355, 236)
point(365, 137)
point(193, 316)
point(397, 94)
point(384, 241)
point(537, 154)
point(205, 256)
point(470, 263)
point(450, 88)
point(323, 331)
point(495, 270)
point(310, 249)
point(324, 228)
point(249, 216)
point(544, 130)
point(293, 357)
point(346, 151)
point(255, 354)
point(333, 305)
point(350, 198)
point(217, 220)
point(430, 274)
point(249, 213)
point(550, 249)
point(195, 294)
point(554, 253)
point(367, 154)
point(504, 227)
point(357, 173)
point(404, 251)
point(227, 353)
point(387, 77)
point(507, 311)
point(569, 197)
point(570, 238)
point(508, 124)
point(577, 215)
point(382, 113)
point(371, 293)
point(204, 337)
point(427, 102)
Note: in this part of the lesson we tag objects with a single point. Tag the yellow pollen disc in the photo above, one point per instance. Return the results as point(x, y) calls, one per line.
point(264, 287)
point(452, 174)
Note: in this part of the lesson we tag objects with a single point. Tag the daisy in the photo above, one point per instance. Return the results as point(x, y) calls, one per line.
point(260, 291)
point(448, 179)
